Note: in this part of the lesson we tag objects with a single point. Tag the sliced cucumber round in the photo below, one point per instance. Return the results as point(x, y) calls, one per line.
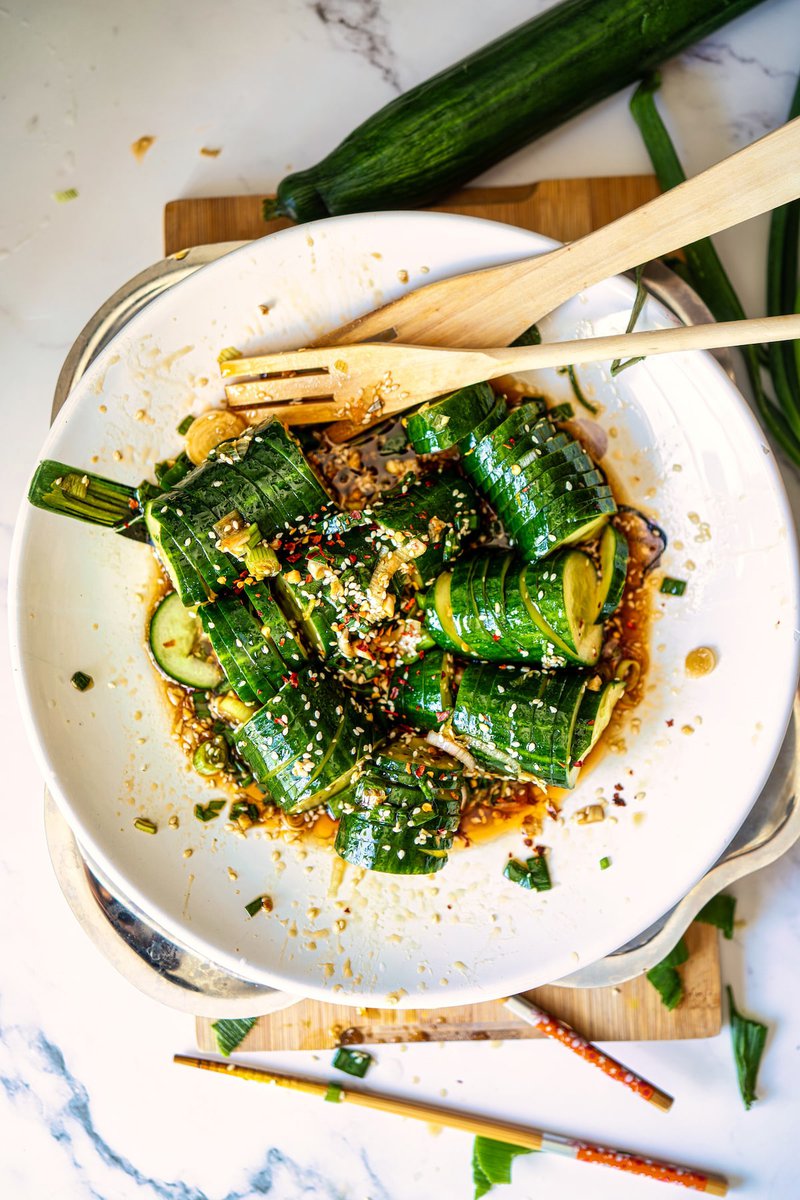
point(614, 555)
point(180, 648)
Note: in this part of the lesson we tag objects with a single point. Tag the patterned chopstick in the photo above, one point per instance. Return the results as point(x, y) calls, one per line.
point(503, 1131)
point(553, 1027)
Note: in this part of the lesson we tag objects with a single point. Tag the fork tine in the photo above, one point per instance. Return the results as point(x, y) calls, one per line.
point(268, 364)
point(275, 391)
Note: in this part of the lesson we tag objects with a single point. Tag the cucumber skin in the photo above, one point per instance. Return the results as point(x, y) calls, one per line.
point(445, 131)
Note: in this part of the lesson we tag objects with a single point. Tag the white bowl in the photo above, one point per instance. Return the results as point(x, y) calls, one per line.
point(682, 444)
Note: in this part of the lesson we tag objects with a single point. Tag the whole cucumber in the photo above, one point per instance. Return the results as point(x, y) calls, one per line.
point(446, 131)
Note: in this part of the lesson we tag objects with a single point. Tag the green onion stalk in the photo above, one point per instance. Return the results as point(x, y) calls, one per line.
point(781, 416)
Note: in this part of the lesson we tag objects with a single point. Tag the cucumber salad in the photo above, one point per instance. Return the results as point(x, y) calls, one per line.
point(386, 647)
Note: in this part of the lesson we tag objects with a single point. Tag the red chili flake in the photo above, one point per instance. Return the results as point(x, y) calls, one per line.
point(630, 624)
point(496, 637)
point(551, 809)
point(618, 787)
point(419, 771)
point(527, 841)
point(670, 722)
point(579, 763)
point(620, 803)
point(133, 504)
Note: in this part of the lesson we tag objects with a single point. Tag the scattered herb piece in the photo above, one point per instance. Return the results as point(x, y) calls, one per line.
point(530, 337)
point(81, 681)
point(533, 874)
point(491, 1163)
point(561, 412)
point(145, 825)
point(210, 811)
point(605, 863)
point(666, 979)
point(638, 304)
point(719, 912)
point(708, 276)
point(66, 195)
point(354, 1062)
point(231, 1033)
point(539, 872)
point(260, 904)
point(672, 587)
point(748, 1039)
point(185, 425)
point(333, 1094)
point(244, 808)
point(576, 388)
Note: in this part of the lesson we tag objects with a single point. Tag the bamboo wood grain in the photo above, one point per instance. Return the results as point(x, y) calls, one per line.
point(496, 304)
point(689, 1178)
point(564, 209)
point(385, 379)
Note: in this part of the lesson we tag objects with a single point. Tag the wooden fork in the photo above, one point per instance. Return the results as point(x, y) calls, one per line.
point(362, 383)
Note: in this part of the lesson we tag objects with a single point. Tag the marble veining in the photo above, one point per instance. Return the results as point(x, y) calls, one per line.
point(40, 1086)
point(362, 27)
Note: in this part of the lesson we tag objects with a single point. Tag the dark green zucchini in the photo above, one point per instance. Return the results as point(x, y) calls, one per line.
point(594, 715)
point(614, 555)
point(420, 692)
point(259, 485)
point(494, 606)
point(447, 130)
point(307, 741)
point(441, 423)
point(519, 722)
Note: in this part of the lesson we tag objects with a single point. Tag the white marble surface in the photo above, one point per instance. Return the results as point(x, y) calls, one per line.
point(90, 1105)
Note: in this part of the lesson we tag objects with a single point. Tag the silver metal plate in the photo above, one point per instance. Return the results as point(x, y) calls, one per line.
point(170, 972)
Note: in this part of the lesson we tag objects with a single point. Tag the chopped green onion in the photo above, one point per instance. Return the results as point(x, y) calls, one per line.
point(202, 709)
point(707, 273)
point(185, 425)
point(211, 810)
point(173, 471)
point(211, 757)
point(576, 388)
point(666, 979)
point(517, 872)
point(244, 808)
point(748, 1039)
point(561, 412)
point(529, 337)
point(65, 195)
point(261, 561)
point(491, 1163)
point(672, 587)
point(260, 904)
point(231, 1033)
point(145, 825)
point(81, 681)
point(638, 304)
point(719, 912)
point(333, 1094)
point(71, 492)
point(354, 1062)
point(605, 863)
point(539, 872)
point(532, 875)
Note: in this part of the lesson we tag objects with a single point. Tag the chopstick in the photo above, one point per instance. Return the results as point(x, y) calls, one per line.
point(555, 1028)
point(503, 1131)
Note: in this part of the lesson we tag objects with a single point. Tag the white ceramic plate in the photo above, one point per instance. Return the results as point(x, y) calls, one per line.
point(683, 445)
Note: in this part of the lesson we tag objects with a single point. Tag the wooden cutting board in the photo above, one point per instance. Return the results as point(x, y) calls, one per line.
point(563, 209)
